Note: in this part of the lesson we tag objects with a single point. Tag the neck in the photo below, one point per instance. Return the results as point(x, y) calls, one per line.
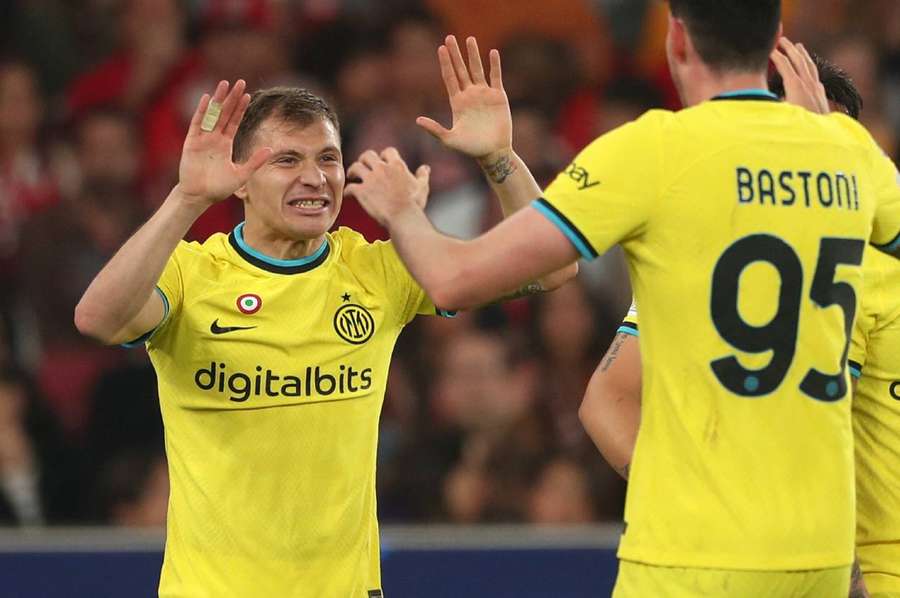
point(273, 244)
point(707, 84)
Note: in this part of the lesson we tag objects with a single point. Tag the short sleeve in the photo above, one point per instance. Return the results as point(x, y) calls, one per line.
point(171, 288)
point(630, 321)
point(605, 195)
point(886, 229)
point(409, 294)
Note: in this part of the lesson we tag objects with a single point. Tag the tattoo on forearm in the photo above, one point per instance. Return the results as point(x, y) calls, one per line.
point(857, 585)
point(500, 170)
point(613, 352)
point(535, 288)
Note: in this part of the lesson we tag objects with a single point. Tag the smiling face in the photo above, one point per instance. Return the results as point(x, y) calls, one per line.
point(297, 193)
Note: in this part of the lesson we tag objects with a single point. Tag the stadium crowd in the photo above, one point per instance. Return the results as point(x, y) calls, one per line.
point(480, 420)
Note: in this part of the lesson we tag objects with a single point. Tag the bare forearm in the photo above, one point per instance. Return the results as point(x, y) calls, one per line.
point(516, 188)
point(611, 409)
point(122, 288)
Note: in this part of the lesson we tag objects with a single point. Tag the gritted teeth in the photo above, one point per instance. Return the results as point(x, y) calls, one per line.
point(308, 203)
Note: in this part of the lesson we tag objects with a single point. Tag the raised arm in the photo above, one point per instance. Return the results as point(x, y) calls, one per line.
point(482, 129)
point(120, 304)
point(611, 409)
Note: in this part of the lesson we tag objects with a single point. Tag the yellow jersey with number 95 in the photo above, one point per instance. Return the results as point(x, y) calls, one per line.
point(744, 222)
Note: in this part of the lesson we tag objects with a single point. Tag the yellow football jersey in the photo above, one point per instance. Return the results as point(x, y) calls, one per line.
point(744, 221)
point(875, 361)
point(271, 379)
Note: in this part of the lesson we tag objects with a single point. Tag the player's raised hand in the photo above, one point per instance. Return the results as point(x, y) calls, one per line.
point(801, 76)
point(482, 123)
point(385, 186)
point(207, 173)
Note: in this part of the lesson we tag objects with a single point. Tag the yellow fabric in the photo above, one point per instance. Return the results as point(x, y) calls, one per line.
point(272, 466)
point(739, 468)
point(640, 581)
point(876, 422)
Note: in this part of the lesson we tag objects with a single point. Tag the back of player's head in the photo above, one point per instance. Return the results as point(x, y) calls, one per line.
point(289, 104)
point(731, 35)
point(839, 87)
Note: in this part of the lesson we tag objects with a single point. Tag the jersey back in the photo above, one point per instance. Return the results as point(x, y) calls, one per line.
point(744, 222)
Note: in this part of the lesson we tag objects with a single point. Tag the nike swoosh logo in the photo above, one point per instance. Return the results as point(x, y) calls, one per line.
point(216, 329)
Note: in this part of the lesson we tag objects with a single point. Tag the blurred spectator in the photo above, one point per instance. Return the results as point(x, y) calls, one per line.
point(561, 495)
point(91, 228)
point(858, 56)
point(26, 184)
point(415, 88)
point(134, 490)
point(151, 55)
point(39, 478)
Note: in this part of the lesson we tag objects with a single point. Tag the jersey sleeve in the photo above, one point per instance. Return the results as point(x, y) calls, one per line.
point(410, 296)
point(170, 288)
point(886, 229)
point(630, 321)
point(605, 195)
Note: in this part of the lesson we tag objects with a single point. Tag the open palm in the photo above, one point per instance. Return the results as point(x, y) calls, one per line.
point(206, 171)
point(481, 119)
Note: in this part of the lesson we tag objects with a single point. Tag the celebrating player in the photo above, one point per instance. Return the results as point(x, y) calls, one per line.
point(271, 346)
point(744, 222)
point(611, 407)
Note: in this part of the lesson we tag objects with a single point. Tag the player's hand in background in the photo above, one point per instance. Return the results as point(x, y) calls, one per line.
point(482, 124)
point(207, 174)
point(386, 188)
point(801, 76)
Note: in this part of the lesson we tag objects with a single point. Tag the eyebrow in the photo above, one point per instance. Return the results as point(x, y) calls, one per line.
point(296, 154)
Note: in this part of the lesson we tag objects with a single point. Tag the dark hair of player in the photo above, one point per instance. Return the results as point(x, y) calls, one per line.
point(839, 87)
point(289, 104)
point(731, 35)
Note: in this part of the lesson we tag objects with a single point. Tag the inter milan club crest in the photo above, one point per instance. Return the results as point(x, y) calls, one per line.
point(353, 322)
point(249, 303)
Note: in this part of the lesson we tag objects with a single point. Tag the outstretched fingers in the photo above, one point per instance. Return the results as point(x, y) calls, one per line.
point(462, 73)
point(475, 67)
point(447, 72)
point(496, 72)
point(230, 105)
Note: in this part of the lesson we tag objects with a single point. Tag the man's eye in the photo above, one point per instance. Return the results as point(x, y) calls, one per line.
point(286, 160)
point(329, 158)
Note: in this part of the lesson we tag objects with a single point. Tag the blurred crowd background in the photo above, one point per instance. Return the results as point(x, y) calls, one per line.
point(480, 421)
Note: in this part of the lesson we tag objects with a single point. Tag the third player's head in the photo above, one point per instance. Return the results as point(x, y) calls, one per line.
point(297, 193)
point(843, 96)
point(719, 37)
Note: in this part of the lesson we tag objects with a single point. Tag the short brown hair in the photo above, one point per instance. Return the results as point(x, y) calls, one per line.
point(290, 104)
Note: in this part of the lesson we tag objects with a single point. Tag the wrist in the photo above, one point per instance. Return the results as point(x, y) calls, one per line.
point(189, 202)
point(404, 217)
point(492, 158)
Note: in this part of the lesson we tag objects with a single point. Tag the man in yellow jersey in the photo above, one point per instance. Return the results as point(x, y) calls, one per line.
point(875, 364)
point(611, 407)
point(743, 220)
point(272, 345)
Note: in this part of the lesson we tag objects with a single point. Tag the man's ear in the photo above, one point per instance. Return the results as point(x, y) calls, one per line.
point(678, 39)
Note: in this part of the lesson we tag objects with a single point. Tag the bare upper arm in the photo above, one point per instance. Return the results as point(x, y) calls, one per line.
point(147, 319)
point(523, 248)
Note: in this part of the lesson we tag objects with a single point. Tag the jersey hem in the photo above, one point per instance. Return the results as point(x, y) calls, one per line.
point(736, 563)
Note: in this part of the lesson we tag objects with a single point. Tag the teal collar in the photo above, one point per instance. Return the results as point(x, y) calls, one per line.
point(261, 260)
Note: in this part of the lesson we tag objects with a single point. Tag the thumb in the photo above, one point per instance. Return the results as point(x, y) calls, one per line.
point(423, 173)
point(255, 161)
point(433, 127)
